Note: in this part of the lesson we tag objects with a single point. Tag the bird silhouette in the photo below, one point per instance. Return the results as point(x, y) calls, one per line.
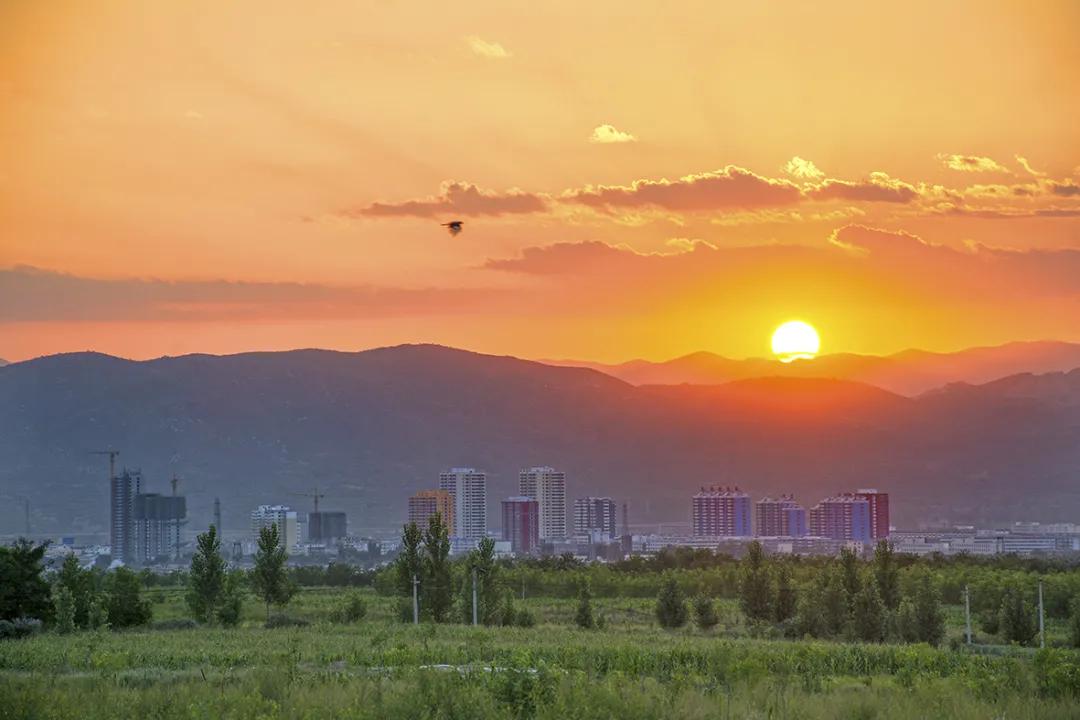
point(454, 226)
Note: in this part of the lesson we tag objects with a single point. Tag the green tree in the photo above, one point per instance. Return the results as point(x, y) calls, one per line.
point(489, 607)
point(438, 586)
point(887, 574)
point(1016, 619)
point(584, 615)
point(231, 601)
point(849, 574)
point(126, 605)
point(206, 580)
point(269, 579)
point(786, 596)
point(834, 601)
point(80, 583)
point(907, 622)
point(755, 593)
point(929, 616)
point(1074, 622)
point(868, 614)
point(705, 616)
point(410, 561)
point(671, 609)
point(64, 607)
point(24, 592)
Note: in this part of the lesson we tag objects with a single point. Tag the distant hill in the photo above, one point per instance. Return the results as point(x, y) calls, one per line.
point(3, 362)
point(370, 428)
point(909, 373)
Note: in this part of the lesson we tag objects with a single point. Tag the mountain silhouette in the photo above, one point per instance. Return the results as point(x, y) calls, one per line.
point(370, 428)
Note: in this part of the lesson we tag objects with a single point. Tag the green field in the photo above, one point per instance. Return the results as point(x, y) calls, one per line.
point(380, 668)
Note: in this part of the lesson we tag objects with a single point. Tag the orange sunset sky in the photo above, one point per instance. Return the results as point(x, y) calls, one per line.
point(636, 180)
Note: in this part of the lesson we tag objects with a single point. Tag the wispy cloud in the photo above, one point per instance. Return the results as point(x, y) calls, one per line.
point(487, 48)
point(1027, 166)
point(606, 134)
point(971, 163)
point(458, 198)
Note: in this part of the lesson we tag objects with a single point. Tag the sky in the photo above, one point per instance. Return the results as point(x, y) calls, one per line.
point(635, 180)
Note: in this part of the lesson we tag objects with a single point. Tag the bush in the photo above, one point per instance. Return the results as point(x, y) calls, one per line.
point(403, 610)
point(19, 628)
point(231, 601)
point(671, 609)
point(285, 621)
point(705, 616)
point(97, 615)
point(990, 622)
point(64, 615)
point(354, 609)
point(525, 618)
point(584, 615)
point(175, 624)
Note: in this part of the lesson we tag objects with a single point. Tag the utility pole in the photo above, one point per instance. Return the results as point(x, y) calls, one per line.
point(415, 602)
point(474, 597)
point(1042, 627)
point(967, 613)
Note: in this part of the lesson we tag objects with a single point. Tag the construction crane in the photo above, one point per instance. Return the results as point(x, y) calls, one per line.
point(174, 482)
point(316, 496)
point(112, 460)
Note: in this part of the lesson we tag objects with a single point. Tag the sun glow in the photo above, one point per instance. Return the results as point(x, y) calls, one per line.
point(795, 340)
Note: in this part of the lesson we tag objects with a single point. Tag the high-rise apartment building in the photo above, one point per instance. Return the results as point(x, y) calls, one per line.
point(521, 524)
point(326, 526)
point(879, 512)
point(468, 488)
point(122, 491)
point(594, 519)
point(426, 503)
point(548, 487)
point(779, 517)
point(842, 517)
point(720, 512)
point(281, 515)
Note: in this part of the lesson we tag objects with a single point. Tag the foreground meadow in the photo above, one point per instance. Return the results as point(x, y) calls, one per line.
point(381, 668)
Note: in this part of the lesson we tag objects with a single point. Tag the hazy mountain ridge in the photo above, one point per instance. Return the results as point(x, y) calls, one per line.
point(372, 427)
point(910, 372)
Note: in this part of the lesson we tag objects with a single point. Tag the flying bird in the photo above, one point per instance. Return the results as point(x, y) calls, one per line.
point(454, 226)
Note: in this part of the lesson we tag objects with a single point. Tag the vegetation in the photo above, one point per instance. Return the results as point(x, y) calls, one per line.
point(24, 592)
point(671, 609)
point(269, 579)
point(206, 581)
point(705, 616)
point(584, 616)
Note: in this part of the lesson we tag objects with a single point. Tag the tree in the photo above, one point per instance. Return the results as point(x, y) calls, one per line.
point(705, 616)
point(438, 586)
point(1016, 619)
point(489, 608)
point(24, 593)
point(849, 574)
point(929, 616)
point(126, 606)
point(834, 601)
point(584, 615)
point(907, 623)
point(231, 601)
point(671, 609)
point(868, 614)
point(887, 574)
point(206, 581)
point(409, 562)
point(64, 603)
point(1074, 622)
point(269, 579)
point(786, 596)
point(754, 586)
point(80, 583)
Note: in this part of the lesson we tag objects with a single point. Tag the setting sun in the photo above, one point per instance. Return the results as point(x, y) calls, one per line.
point(795, 340)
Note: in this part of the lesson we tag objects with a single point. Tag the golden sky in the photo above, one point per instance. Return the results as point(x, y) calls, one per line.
point(636, 180)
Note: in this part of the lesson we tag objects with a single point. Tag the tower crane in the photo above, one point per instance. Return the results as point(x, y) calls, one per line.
point(316, 496)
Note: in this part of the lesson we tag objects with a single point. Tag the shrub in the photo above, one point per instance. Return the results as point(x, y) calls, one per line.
point(1015, 618)
point(231, 601)
point(354, 609)
point(671, 609)
point(64, 615)
point(990, 622)
point(97, 614)
point(19, 628)
point(127, 607)
point(525, 618)
point(285, 621)
point(705, 616)
point(584, 615)
point(175, 624)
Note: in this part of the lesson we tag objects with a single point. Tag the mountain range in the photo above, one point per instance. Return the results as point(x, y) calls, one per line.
point(910, 372)
point(370, 428)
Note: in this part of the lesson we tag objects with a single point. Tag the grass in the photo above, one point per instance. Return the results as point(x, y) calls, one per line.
point(379, 668)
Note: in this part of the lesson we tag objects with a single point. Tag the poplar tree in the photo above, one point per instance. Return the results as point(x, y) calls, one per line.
point(887, 574)
point(206, 580)
point(438, 589)
point(754, 586)
point(270, 579)
point(671, 609)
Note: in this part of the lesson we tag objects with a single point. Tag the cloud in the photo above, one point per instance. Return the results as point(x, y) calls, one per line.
point(727, 189)
point(607, 134)
point(803, 169)
point(487, 48)
point(971, 163)
point(458, 198)
point(1065, 188)
point(29, 294)
point(1027, 166)
point(879, 187)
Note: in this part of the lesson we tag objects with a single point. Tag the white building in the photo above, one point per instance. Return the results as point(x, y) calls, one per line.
point(594, 519)
point(468, 488)
point(281, 515)
point(547, 486)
